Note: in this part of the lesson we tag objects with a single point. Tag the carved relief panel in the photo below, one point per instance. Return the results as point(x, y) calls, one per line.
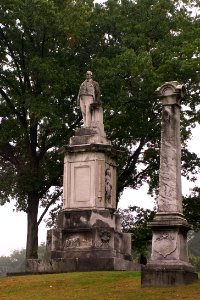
point(77, 240)
point(170, 156)
point(164, 245)
point(104, 239)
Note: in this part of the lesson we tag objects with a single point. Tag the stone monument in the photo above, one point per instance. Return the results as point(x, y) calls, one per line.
point(169, 263)
point(88, 234)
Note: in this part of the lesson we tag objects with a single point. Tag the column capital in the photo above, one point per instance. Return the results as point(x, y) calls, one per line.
point(171, 93)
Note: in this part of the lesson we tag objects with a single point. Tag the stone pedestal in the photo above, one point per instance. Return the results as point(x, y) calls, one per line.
point(89, 177)
point(85, 240)
point(169, 264)
point(88, 236)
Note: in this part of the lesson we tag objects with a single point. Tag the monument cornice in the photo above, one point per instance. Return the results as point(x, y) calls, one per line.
point(90, 148)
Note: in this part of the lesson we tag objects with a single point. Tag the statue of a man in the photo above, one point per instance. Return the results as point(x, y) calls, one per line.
point(89, 93)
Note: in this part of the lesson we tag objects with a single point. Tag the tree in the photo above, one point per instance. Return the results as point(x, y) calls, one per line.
point(193, 244)
point(142, 45)
point(191, 208)
point(41, 63)
point(135, 221)
point(15, 262)
point(194, 250)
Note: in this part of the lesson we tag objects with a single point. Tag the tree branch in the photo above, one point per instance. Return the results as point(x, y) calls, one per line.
point(53, 200)
point(12, 55)
point(7, 152)
point(7, 82)
point(133, 158)
point(12, 107)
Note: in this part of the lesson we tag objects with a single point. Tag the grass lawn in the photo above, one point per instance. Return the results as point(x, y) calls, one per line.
point(90, 286)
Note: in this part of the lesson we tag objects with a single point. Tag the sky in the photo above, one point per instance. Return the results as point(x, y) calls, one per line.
point(13, 224)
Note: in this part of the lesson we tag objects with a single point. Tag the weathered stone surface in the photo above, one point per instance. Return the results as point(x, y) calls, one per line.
point(169, 264)
point(92, 135)
point(170, 196)
point(88, 234)
point(90, 103)
point(85, 240)
point(159, 276)
point(96, 263)
point(86, 182)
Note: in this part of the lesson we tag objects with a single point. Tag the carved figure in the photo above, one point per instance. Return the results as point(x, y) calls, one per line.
point(108, 186)
point(74, 242)
point(89, 93)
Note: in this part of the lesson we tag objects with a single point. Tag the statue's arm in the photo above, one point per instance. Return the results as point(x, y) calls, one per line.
point(97, 92)
point(78, 100)
point(78, 97)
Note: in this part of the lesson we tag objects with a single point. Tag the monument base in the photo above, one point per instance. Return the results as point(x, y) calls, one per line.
point(35, 266)
point(85, 240)
point(158, 276)
point(169, 264)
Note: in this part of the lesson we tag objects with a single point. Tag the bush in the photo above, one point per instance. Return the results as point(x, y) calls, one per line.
point(195, 261)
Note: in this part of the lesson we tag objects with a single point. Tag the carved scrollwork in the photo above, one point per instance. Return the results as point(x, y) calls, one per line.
point(104, 239)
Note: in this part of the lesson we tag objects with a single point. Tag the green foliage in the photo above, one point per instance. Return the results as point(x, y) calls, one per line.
point(38, 77)
point(194, 249)
point(194, 244)
point(135, 220)
point(16, 261)
point(41, 63)
point(191, 208)
point(138, 45)
point(195, 261)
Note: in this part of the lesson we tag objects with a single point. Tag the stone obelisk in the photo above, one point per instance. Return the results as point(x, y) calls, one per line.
point(169, 263)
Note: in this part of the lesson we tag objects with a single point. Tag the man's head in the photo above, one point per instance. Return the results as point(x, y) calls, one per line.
point(88, 75)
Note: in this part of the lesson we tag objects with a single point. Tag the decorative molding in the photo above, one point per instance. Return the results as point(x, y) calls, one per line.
point(72, 243)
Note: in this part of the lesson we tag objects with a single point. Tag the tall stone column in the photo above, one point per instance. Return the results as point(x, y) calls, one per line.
point(169, 264)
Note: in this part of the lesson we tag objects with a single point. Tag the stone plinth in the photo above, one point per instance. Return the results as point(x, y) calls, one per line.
point(169, 264)
point(85, 240)
point(173, 275)
point(89, 177)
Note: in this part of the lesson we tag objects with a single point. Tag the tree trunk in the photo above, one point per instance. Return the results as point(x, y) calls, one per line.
point(32, 226)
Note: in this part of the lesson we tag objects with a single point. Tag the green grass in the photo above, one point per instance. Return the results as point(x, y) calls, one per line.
point(90, 286)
